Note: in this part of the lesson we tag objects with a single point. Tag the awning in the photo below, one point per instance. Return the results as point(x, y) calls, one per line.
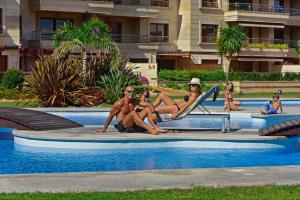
point(261, 59)
point(262, 25)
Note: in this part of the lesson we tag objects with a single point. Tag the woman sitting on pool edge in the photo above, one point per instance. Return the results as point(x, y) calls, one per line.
point(272, 107)
point(177, 108)
point(230, 104)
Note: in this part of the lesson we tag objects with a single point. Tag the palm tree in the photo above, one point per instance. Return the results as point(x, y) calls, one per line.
point(298, 47)
point(230, 42)
point(92, 36)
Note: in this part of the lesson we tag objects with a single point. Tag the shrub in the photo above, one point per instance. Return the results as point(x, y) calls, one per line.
point(171, 75)
point(173, 85)
point(15, 94)
point(92, 97)
point(13, 78)
point(56, 81)
point(115, 82)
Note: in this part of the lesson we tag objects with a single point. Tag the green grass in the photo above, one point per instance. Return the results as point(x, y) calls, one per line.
point(17, 104)
point(257, 192)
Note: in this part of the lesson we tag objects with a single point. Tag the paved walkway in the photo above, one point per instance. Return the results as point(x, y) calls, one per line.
point(152, 179)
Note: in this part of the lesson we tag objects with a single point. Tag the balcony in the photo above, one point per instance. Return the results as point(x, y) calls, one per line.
point(126, 8)
point(44, 39)
point(264, 47)
point(248, 12)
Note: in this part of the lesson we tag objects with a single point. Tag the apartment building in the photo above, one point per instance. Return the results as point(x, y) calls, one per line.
point(9, 34)
point(171, 34)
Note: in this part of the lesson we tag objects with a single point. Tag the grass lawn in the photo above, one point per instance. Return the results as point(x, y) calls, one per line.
point(258, 192)
point(16, 104)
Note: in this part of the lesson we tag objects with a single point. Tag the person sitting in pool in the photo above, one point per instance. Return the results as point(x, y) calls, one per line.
point(272, 107)
point(127, 117)
point(177, 108)
point(230, 104)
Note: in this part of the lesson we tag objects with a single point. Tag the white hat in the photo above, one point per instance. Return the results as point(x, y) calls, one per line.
point(195, 81)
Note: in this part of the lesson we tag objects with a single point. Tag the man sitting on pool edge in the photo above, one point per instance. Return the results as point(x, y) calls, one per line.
point(128, 118)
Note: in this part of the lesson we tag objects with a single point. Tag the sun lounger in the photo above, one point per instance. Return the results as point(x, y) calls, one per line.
point(205, 112)
point(285, 128)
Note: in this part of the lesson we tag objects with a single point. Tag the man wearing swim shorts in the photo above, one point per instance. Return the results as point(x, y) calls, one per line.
point(128, 118)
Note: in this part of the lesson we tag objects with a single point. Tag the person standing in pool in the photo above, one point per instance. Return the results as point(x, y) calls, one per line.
point(177, 108)
point(272, 107)
point(230, 104)
point(127, 117)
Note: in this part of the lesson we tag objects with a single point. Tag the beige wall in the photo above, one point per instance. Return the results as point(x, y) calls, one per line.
point(11, 36)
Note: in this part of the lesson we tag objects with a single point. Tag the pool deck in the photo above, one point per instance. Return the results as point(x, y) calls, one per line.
point(149, 179)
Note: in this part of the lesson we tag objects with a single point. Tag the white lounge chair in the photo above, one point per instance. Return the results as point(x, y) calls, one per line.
point(213, 91)
point(205, 112)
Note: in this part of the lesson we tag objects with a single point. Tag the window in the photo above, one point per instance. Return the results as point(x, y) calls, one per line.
point(159, 32)
point(209, 3)
point(209, 33)
point(116, 31)
point(278, 36)
point(1, 22)
point(48, 26)
point(159, 3)
point(3, 63)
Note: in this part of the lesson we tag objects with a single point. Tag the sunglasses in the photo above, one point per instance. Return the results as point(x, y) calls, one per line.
point(130, 91)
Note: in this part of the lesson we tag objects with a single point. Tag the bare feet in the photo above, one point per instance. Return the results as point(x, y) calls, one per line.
point(159, 130)
point(101, 130)
point(262, 112)
point(153, 132)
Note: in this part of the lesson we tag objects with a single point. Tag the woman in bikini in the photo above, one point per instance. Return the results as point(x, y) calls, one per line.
point(177, 108)
point(230, 104)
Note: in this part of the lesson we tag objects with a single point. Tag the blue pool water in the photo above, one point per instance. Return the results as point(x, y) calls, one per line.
point(238, 120)
point(17, 159)
point(254, 103)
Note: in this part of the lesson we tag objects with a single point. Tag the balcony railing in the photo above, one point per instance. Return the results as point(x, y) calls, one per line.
point(208, 40)
point(159, 3)
point(118, 38)
point(209, 4)
point(257, 8)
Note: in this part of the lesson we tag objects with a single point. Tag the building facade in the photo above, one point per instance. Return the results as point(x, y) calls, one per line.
point(172, 34)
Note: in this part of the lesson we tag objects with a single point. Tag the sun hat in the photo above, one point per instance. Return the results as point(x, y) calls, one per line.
point(195, 81)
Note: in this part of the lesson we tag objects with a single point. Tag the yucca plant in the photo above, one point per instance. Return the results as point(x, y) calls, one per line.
point(115, 82)
point(57, 81)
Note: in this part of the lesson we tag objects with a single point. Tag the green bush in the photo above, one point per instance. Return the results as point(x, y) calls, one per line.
point(173, 75)
point(15, 94)
point(115, 82)
point(13, 78)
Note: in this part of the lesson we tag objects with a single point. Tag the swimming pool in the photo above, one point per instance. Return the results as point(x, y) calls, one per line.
point(238, 120)
point(148, 155)
point(254, 103)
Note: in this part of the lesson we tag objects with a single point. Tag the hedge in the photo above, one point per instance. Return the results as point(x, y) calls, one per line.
point(174, 75)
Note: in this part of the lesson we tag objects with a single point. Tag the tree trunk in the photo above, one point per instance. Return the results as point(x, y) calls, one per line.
point(228, 69)
point(84, 65)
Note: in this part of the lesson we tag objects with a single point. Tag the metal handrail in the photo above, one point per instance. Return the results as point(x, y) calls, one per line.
point(257, 8)
point(206, 39)
point(159, 3)
point(118, 38)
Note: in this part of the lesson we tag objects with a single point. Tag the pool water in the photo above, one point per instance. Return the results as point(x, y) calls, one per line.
point(17, 159)
point(253, 103)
